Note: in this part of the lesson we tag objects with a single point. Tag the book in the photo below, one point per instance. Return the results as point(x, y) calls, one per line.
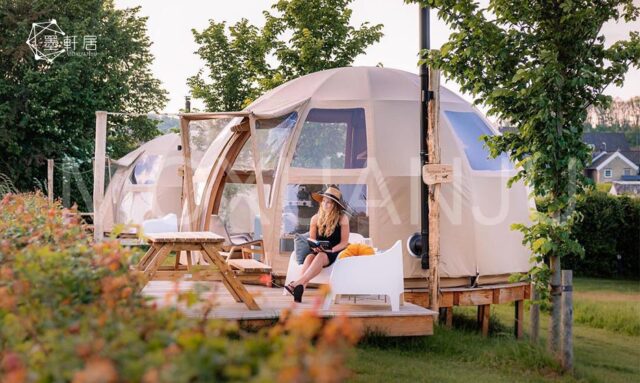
point(317, 244)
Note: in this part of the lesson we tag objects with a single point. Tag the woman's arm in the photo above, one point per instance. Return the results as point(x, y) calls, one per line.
point(313, 231)
point(313, 227)
point(344, 234)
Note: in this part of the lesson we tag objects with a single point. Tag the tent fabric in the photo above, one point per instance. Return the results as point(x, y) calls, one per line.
point(476, 209)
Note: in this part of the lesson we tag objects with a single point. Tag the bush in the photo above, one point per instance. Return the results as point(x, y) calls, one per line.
point(610, 227)
point(70, 310)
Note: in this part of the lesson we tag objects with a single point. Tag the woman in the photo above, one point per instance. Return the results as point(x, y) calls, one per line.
point(329, 224)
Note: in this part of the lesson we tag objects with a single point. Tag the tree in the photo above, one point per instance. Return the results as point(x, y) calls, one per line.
point(539, 65)
point(47, 109)
point(301, 36)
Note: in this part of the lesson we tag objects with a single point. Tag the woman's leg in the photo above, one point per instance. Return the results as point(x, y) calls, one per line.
point(319, 261)
point(307, 262)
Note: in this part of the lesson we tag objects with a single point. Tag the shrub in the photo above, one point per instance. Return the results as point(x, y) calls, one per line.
point(70, 310)
point(610, 227)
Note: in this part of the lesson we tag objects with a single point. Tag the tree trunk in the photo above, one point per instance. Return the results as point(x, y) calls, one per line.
point(553, 342)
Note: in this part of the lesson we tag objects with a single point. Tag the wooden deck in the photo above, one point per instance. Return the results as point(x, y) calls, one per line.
point(370, 312)
point(482, 297)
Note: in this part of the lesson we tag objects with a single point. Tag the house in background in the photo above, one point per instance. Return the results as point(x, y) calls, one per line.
point(630, 188)
point(612, 158)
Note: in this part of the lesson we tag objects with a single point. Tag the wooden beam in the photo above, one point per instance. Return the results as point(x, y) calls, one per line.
point(188, 196)
point(98, 173)
point(433, 147)
point(50, 180)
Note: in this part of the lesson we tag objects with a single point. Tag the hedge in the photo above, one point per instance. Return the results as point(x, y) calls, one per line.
point(610, 234)
point(71, 310)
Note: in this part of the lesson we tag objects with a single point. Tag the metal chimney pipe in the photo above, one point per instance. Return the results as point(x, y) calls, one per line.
point(425, 96)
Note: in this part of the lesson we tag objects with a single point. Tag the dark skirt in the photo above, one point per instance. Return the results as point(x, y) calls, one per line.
point(332, 257)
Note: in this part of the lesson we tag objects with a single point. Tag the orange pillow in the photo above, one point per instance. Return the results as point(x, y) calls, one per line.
point(355, 250)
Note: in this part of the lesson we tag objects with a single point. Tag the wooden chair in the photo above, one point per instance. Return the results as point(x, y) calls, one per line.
point(244, 243)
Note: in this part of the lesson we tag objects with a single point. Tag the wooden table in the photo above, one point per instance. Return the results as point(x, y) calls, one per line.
point(208, 244)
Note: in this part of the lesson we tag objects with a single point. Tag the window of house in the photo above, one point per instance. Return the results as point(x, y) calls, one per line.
point(332, 139)
point(627, 171)
point(469, 127)
point(146, 170)
point(608, 173)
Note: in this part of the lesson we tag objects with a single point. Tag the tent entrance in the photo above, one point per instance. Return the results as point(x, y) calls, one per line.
point(234, 196)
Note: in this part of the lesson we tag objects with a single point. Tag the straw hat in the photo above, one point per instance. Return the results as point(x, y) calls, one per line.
point(333, 193)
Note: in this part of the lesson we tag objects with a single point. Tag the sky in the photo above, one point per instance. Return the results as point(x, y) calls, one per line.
point(170, 22)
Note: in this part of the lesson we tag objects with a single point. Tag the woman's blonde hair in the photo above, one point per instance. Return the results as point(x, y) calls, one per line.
point(328, 220)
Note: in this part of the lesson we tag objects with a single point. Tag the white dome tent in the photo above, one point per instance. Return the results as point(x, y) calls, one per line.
point(359, 128)
point(146, 184)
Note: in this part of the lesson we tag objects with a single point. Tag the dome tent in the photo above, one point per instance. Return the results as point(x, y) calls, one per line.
point(146, 184)
point(358, 127)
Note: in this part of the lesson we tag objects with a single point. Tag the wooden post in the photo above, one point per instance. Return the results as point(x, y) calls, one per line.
point(553, 343)
point(98, 173)
point(433, 147)
point(519, 314)
point(484, 312)
point(50, 180)
point(535, 315)
point(567, 320)
point(187, 187)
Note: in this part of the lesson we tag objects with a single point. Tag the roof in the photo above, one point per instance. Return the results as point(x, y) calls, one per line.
point(632, 155)
point(600, 159)
point(604, 158)
point(606, 141)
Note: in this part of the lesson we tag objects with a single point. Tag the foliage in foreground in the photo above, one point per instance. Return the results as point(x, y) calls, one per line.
point(72, 311)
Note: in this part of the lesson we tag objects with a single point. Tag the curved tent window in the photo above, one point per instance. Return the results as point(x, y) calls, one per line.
point(238, 204)
point(332, 139)
point(146, 170)
point(468, 126)
point(271, 135)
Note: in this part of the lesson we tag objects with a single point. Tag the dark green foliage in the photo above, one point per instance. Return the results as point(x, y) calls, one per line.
point(302, 36)
point(47, 110)
point(610, 227)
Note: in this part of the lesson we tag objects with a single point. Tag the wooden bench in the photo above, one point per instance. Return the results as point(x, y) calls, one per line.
point(209, 244)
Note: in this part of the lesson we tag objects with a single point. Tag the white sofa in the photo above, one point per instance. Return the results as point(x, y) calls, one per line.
point(379, 274)
point(294, 271)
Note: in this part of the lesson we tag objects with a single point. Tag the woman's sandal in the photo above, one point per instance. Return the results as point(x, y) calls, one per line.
point(289, 289)
point(297, 293)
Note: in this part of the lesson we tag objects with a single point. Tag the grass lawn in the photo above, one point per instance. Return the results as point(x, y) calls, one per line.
point(606, 345)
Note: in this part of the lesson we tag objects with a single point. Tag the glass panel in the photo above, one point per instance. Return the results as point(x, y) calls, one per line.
point(332, 139)
point(468, 126)
point(146, 170)
point(135, 207)
point(201, 135)
point(239, 203)
point(271, 136)
point(299, 207)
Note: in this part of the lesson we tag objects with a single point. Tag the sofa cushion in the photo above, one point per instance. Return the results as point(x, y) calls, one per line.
point(301, 247)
